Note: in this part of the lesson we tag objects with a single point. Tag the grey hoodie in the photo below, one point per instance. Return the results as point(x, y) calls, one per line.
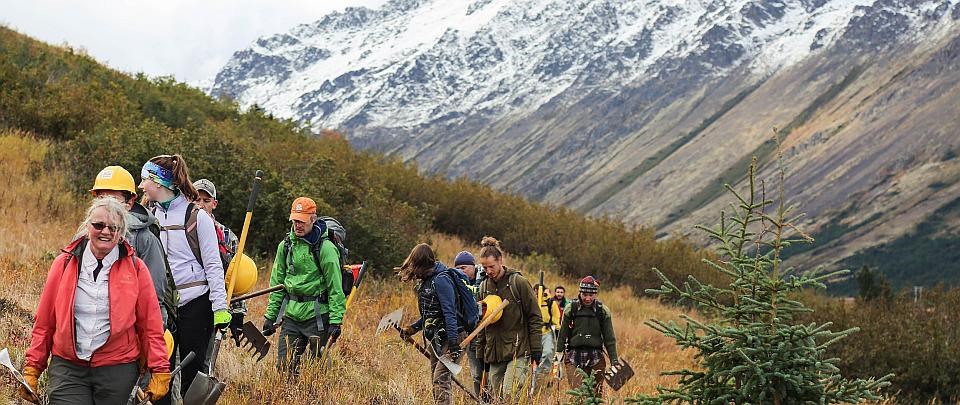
point(147, 246)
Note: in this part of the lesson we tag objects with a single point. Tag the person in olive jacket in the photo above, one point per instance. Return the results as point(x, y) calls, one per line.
point(509, 345)
point(312, 302)
point(586, 330)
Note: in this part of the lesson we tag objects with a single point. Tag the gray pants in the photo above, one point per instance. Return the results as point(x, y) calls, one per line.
point(299, 335)
point(442, 377)
point(546, 361)
point(75, 384)
point(507, 378)
point(476, 367)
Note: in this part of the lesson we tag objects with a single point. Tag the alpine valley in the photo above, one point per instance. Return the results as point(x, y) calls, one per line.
point(642, 110)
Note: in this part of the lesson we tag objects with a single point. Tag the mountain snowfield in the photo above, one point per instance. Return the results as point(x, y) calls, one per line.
point(641, 110)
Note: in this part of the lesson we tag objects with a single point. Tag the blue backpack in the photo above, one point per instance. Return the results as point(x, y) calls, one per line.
point(468, 312)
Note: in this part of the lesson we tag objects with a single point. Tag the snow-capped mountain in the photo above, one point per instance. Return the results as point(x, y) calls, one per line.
point(641, 109)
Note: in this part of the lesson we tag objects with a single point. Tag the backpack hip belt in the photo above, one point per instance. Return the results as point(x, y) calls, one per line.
point(191, 284)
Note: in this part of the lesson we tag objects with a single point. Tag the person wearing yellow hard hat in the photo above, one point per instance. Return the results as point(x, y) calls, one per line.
point(143, 230)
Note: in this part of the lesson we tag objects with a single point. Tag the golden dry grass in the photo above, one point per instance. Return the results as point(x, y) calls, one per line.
point(37, 218)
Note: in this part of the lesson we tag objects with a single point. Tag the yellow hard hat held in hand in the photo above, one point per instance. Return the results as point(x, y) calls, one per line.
point(489, 303)
point(246, 277)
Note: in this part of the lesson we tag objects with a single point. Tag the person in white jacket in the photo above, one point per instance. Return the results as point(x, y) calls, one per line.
point(190, 243)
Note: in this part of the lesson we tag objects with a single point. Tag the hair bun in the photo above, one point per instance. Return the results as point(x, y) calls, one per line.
point(490, 241)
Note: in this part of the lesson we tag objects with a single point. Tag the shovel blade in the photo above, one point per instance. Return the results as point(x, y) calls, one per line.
point(450, 365)
point(390, 320)
point(5, 361)
point(204, 390)
point(618, 375)
point(254, 340)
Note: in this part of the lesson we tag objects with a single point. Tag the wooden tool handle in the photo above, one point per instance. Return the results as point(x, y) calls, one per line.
point(487, 320)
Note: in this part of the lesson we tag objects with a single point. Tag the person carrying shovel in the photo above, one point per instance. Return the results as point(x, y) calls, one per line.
point(442, 323)
point(312, 303)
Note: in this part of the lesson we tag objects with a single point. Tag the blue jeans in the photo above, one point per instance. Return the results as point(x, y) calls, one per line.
point(549, 346)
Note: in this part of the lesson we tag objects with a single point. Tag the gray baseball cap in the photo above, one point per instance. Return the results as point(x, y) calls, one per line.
point(206, 185)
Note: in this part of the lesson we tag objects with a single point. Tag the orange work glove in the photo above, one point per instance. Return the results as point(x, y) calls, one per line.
point(158, 386)
point(31, 376)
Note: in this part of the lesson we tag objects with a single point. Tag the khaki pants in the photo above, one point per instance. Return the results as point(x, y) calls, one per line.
point(507, 378)
point(575, 380)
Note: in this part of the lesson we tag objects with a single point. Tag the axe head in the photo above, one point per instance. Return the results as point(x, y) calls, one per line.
point(254, 341)
point(391, 320)
point(618, 375)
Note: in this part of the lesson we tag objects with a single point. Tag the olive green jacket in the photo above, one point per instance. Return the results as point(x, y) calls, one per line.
point(588, 331)
point(518, 332)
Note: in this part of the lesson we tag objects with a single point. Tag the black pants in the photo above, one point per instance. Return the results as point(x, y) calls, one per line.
point(75, 384)
point(194, 327)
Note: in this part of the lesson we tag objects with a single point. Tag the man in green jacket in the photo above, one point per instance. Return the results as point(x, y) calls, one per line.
point(587, 330)
point(511, 344)
point(312, 302)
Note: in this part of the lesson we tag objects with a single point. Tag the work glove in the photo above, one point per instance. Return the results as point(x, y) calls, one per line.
point(158, 386)
point(407, 333)
point(557, 357)
point(31, 376)
point(221, 319)
point(268, 327)
point(333, 332)
point(236, 326)
point(455, 353)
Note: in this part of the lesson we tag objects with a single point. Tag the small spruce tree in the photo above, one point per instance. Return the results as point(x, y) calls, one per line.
point(752, 350)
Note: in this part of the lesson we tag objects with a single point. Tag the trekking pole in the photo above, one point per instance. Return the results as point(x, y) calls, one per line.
point(235, 264)
point(353, 293)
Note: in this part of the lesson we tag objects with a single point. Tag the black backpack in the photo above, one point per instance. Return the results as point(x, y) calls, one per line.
point(336, 234)
point(597, 311)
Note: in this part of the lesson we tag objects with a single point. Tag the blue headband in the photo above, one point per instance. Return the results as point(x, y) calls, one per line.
point(159, 175)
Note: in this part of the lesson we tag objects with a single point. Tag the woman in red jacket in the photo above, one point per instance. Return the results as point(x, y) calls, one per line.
point(98, 314)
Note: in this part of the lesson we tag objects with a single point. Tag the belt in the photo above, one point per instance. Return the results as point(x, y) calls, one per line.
point(303, 298)
point(191, 284)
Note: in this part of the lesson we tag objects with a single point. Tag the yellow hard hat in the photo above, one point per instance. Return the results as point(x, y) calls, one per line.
point(490, 302)
point(168, 339)
point(246, 275)
point(114, 178)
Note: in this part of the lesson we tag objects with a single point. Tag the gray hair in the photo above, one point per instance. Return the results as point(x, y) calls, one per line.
point(116, 211)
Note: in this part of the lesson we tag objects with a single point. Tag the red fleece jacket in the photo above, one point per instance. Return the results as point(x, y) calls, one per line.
point(135, 322)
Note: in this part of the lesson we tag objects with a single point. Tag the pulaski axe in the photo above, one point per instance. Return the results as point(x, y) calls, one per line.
point(393, 320)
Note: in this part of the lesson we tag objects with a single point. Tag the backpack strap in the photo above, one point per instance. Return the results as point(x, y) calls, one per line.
point(189, 227)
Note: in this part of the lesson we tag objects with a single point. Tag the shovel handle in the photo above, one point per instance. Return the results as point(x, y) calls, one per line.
point(487, 320)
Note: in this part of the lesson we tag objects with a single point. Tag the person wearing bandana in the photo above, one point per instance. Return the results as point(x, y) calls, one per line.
point(197, 270)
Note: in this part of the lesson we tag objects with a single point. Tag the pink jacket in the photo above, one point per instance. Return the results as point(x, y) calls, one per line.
point(135, 321)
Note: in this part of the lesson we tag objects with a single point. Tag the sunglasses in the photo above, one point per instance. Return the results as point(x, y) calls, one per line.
point(100, 225)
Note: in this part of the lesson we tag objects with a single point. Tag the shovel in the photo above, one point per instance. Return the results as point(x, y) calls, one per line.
point(5, 361)
point(394, 318)
point(206, 389)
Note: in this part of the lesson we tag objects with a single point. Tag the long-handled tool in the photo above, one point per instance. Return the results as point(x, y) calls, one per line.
point(353, 294)
point(205, 388)
point(251, 338)
point(487, 320)
point(142, 396)
point(5, 361)
point(393, 320)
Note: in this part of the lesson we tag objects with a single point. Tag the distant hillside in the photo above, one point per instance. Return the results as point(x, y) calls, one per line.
point(91, 117)
point(641, 110)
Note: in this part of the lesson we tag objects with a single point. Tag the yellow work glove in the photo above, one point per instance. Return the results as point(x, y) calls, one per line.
point(158, 386)
point(32, 377)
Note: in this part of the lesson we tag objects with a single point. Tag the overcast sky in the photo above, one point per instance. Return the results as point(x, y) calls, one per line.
point(188, 39)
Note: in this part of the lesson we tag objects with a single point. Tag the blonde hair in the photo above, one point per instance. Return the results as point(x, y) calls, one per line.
point(116, 211)
point(490, 248)
point(420, 261)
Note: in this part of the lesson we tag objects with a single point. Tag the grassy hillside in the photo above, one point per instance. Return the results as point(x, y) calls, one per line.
point(367, 369)
point(93, 117)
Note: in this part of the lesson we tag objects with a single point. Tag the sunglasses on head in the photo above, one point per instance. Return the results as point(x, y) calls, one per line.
point(100, 225)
